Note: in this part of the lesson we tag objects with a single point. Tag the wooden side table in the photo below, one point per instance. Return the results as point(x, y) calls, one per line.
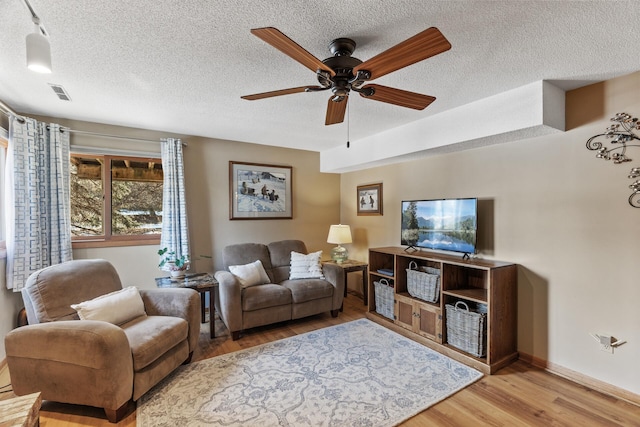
point(349, 266)
point(201, 282)
point(21, 411)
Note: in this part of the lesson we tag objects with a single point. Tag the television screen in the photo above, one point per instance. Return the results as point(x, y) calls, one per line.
point(446, 224)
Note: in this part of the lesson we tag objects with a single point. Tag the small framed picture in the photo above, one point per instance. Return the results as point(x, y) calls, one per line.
point(258, 191)
point(370, 199)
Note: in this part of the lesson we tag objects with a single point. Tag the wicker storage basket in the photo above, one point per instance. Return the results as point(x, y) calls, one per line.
point(424, 285)
point(466, 330)
point(384, 298)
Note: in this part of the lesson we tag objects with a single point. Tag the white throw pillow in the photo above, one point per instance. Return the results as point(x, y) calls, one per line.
point(250, 274)
point(306, 266)
point(116, 307)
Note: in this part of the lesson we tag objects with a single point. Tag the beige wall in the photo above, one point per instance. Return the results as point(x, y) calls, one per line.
point(549, 205)
point(315, 205)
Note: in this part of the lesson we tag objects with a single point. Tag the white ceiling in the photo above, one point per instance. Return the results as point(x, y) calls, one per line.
point(181, 66)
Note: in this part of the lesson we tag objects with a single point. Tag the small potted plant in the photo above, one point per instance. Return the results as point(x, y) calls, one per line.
point(176, 266)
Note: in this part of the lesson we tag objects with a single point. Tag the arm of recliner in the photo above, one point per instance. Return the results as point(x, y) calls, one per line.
point(335, 275)
point(230, 300)
point(176, 302)
point(83, 362)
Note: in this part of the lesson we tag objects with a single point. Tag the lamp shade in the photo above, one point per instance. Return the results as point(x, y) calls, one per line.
point(339, 234)
point(38, 52)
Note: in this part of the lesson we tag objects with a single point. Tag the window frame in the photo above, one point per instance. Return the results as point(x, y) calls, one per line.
point(108, 239)
point(4, 145)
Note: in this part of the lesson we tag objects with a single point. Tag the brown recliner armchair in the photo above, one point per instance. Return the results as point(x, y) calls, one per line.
point(94, 362)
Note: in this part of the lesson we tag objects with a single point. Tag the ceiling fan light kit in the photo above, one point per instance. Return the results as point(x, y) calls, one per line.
point(343, 73)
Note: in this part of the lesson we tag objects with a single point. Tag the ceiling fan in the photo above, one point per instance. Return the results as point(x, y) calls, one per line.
point(342, 73)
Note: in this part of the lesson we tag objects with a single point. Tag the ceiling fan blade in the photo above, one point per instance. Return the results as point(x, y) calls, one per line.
point(279, 92)
point(335, 111)
point(284, 44)
point(400, 97)
point(423, 45)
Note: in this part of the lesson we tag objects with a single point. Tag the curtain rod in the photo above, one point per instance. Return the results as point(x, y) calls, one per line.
point(9, 112)
point(105, 135)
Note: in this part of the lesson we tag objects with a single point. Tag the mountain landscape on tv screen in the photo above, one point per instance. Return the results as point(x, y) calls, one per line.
point(447, 223)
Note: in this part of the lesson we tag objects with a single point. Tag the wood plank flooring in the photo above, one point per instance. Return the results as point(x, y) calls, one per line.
point(518, 395)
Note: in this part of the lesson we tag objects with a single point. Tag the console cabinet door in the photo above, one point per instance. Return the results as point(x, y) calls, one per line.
point(404, 312)
point(429, 321)
point(419, 317)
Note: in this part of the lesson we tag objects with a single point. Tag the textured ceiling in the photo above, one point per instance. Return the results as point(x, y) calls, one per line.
point(181, 66)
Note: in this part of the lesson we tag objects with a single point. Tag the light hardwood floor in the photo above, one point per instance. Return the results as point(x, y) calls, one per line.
point(518, 395)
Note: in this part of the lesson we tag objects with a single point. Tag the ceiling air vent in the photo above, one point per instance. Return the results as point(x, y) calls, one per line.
point(60, 91)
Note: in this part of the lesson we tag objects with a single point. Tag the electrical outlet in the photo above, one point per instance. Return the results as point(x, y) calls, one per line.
point(605, 340)
point(606, 348)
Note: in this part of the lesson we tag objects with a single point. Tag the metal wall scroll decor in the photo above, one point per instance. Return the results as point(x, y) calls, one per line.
point(621, 134)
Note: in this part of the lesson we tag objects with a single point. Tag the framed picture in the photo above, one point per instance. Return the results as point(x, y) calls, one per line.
point(258, 191)
point(370, 199)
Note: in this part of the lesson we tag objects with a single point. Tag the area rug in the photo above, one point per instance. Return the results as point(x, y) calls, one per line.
point(354, 374)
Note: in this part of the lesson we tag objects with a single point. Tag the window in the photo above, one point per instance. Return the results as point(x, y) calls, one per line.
point(115, 201)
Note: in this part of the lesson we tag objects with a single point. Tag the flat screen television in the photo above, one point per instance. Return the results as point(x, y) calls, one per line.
point(444, 224)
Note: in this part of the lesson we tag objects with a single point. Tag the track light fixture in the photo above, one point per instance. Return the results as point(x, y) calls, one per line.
point(38, 47)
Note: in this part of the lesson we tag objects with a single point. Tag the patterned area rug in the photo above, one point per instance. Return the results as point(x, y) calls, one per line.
point(355, 374)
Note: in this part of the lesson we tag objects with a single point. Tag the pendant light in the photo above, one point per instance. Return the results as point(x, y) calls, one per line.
point(38, 47)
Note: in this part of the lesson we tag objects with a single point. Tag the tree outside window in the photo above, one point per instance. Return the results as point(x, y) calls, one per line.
point(116, 199)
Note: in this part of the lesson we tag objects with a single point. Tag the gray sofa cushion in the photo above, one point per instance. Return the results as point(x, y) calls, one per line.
point(280, 253)
point(152, 336)
point(245, 253)
point(49, 293)
point(303, 290)
point(265, 296)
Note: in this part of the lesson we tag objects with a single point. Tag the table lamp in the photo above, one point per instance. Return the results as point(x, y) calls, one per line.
point(339, 234)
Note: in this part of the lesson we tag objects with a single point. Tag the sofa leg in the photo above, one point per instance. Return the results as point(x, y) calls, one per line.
point(188, 360)
point(334, 313)
point(115, 415)
point(235, 335)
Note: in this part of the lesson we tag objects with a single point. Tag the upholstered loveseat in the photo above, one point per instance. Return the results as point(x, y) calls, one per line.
point(103, 363)
point(281, 294)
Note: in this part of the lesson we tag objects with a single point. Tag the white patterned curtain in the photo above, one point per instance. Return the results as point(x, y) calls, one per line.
point(175, 231)
point(38, 205)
